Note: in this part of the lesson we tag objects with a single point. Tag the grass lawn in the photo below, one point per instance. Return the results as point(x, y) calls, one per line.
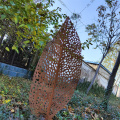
point(14, 103)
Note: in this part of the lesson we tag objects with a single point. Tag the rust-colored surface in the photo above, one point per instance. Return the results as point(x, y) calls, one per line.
point(57, 73)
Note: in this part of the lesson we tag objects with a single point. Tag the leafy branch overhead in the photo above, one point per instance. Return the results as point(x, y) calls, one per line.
point(26, 22)
point(87, 43)
point(106, 32)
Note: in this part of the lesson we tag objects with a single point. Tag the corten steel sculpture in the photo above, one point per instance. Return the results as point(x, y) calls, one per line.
point(57, 73)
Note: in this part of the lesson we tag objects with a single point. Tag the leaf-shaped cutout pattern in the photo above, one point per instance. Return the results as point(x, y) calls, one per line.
point(57, 73)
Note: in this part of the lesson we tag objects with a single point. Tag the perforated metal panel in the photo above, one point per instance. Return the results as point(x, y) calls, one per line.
point(57, 73)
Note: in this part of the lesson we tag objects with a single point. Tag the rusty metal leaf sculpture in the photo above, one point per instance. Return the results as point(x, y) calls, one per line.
point(57, 73)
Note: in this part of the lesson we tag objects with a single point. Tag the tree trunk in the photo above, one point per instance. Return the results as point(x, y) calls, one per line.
point(35, 59)
point(96, 73)
point(110, 84)
point(13, 58)
point(1, 39)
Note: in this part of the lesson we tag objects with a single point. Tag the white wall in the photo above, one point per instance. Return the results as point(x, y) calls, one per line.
point(87, 72)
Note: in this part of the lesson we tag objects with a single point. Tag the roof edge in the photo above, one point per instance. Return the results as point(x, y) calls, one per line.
point(95, 63)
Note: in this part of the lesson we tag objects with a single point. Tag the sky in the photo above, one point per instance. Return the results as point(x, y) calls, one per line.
point(89, 15)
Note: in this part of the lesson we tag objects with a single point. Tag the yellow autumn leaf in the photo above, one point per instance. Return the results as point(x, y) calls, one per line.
point(25, 103)
point(37, 24)
point(2, 92)
point(16, 19)
point(7, 49)
point(6, 101)
point(18, 33)
point(26, 26)
point(29, 20)
point(34, 33)
point(16, 14)
point(21, 49)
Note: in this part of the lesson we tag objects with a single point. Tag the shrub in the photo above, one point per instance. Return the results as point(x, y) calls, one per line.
point(96, 89)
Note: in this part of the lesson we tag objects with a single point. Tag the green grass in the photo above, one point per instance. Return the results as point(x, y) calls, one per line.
point(14, 102)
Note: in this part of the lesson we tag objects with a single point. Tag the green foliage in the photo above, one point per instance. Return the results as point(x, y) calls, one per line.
point(110, 60)
point(80, 107)
point(95, 90)
point(27, 23)
point(14, 93)
point(105, 33)
point(87, 44)
point(7, 49)
point(87, 107)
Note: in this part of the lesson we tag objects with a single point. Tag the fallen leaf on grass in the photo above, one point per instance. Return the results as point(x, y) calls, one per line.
point(74, 119)
point(101, 118)
point(95, 116)
point(19, 103)
point(87, 110)
point(119, 106)
point(97, 111)
point(1, 101)
point(71, 110)
point(12, 110)
point(6, 101)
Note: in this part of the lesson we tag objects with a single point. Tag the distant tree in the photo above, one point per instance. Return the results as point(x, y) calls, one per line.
point(108, 91)
point(107, 32)
point(111, 57)
point(75, 19)
point(110, 60)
